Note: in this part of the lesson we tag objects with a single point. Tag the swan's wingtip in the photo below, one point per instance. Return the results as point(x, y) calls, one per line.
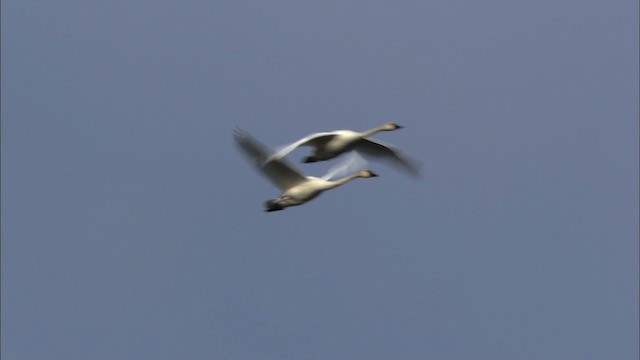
point(239, 132)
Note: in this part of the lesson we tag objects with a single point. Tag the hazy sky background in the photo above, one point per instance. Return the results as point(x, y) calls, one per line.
point(133, 229)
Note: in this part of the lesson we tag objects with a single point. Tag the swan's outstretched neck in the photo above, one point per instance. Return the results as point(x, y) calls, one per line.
point(346, 179)
point(385, 127)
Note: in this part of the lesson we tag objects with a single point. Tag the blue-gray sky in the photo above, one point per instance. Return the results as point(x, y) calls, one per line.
point(133, 229)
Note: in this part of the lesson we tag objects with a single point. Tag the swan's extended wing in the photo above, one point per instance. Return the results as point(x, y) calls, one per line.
point(281, 174)
point(383, 151)
point(315, 140)
point(351, 163)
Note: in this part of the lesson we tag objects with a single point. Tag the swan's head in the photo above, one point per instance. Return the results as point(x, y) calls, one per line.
point(391, 126)
point(367, 174)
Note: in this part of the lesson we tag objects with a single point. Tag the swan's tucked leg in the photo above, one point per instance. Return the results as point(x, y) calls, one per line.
point(309, 159)
point(273, 205)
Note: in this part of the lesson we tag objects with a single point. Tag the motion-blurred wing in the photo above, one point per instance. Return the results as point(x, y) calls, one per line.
point(351, 163)
point(387, 152)
point(281, 174)
point(316, 140)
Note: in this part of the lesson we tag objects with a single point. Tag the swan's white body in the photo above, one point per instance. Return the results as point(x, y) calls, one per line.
point(328, 145)
point(296, 188)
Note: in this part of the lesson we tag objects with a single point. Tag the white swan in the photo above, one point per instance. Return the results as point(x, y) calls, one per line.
point(328, 145)
point(296, 188)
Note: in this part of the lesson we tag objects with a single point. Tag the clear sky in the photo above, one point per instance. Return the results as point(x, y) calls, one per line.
point(132, 228)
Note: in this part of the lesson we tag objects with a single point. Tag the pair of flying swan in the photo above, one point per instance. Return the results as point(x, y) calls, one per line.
point(297, 188)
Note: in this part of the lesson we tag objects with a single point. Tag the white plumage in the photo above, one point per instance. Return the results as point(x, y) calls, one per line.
point(296, 188)
point(328, 145)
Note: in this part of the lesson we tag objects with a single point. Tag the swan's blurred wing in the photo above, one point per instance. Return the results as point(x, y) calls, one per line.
point(315, 140)
point(388, 152)
point(255, 151)
point(281, 174)
point(351, 163)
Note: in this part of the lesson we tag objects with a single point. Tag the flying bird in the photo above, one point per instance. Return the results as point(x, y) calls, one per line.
point(328, 145)
point(296, 188)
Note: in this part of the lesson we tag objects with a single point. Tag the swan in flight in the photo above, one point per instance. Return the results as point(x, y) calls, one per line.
point(296, 188)
point(328, 145)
